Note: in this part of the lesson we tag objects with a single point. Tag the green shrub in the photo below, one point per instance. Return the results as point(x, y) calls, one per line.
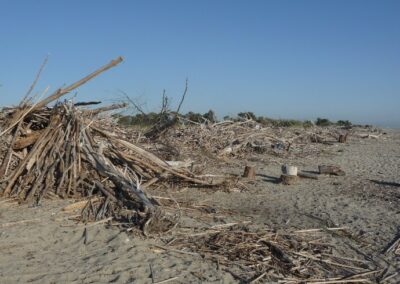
point(139, 119)
point(343, 123)
point(247, 115)
point(287, 123)
point(323, 122)
point(266, 121)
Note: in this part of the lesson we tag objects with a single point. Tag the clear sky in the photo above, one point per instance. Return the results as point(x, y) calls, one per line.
point(285, 59)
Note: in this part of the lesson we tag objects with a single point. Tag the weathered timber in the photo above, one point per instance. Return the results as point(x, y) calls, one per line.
point(331, 170)
point(30, 139)
point(307, 175)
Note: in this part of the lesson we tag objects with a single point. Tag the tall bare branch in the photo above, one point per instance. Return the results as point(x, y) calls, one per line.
point(63, 91)
point(183, 96)
point(25, 98)
point(135, 105)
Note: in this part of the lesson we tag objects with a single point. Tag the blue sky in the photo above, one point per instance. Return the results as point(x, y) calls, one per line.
point(284, 59)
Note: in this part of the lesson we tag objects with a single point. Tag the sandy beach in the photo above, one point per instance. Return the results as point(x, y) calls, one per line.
point(45, 245)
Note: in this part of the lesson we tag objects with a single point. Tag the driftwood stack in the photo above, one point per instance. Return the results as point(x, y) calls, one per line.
point(63, 151)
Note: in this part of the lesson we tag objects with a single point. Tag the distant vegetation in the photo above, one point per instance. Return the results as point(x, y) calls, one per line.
point(323, 122)
point(149, 119)
point(344, 123)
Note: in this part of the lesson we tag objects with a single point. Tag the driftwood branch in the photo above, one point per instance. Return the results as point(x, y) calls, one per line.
point(87, 103)
point(25, 98)
point(183, 97)
point(136, 106)
point(7, 157)
point(63, 91)
point(106, 108)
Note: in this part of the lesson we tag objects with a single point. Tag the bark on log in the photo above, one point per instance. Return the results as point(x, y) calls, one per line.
point(23, 142)
point(288, 179)
point(331, 170)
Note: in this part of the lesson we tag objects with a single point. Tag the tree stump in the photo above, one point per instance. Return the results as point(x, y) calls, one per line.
point(249, 172)
point(331, 170)
point(289, 170)
point(343, 138)
point(288, 179)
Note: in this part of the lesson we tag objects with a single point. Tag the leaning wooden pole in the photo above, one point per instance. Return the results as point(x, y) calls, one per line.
point(20, 114)
point(106, 108)
point(63, 91)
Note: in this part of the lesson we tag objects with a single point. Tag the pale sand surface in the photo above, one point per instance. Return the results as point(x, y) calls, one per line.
point(51, 249)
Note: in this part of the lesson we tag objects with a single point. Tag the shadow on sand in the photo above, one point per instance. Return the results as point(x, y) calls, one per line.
point(270, 179)
point(381, 182)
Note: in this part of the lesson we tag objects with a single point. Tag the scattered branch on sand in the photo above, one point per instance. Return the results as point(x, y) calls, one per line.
point(393, 245)
point(167, 280)
point(19, 222)
point(370, 136)
point(272, 257)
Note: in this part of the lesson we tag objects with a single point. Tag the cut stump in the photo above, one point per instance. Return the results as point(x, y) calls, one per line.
point(288, 179)
point(249, 172)
point(289, 170)
point(342, 138)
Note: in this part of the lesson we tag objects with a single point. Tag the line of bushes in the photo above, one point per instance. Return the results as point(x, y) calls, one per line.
point(149, 119)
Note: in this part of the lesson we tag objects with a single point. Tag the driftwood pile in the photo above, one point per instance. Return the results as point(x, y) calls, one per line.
point(63, 150)
point(237, 139)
